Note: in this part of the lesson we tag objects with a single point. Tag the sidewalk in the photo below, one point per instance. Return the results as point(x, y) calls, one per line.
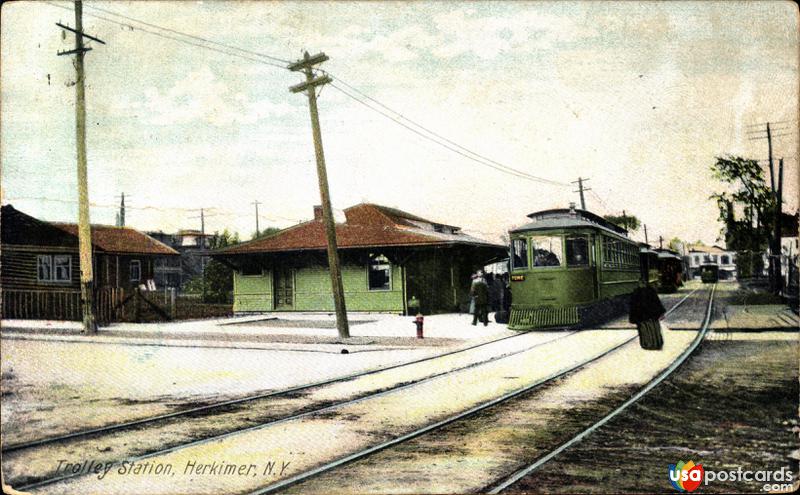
point(276, 331)
point(756, 318)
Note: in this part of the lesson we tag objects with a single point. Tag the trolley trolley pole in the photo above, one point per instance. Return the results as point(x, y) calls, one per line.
point(306, 66)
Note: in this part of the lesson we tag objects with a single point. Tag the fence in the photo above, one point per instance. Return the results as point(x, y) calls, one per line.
point(42, 304)
point(111, 305)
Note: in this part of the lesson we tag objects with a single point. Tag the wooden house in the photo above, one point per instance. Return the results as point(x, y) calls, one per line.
point(39, 262)
point(391, 261)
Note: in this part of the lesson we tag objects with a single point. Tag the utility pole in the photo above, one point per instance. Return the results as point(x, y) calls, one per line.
point(775, 242)
point(581, 189)
point(771, 167)
point(202, 251)
point(306, 66)
point(84, 226)
point(257, 202)
point(778, 212)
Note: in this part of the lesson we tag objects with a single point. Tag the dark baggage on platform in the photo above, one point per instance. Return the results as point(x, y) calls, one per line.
point(501, 317)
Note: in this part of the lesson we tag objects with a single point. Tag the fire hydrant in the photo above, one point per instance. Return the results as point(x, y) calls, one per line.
point(419, 321)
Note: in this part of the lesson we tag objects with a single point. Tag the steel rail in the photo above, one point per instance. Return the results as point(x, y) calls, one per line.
point(251, 398)
point(439, 424)
point(89, 433)
point(48, 481)
point(518, 475)
point(469, 412)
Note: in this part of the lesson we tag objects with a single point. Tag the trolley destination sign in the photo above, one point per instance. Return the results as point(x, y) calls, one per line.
point(423, 247)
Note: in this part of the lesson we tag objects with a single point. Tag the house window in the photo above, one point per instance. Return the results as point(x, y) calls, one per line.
point(546, 251)
point(44, 268)
point(54, 268)
point(725, 260)
point(519, 253)
point(136, 270)
point(577, 251)
point(62, 268)
point(697, 260)
point(380, 273)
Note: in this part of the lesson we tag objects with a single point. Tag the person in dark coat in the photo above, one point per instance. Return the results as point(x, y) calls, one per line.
point(480, 294)
point(646, 310)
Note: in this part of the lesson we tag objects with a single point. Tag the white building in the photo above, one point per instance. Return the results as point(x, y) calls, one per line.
point(700, 255)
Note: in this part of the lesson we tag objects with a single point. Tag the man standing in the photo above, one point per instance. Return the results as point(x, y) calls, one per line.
point(480, 294)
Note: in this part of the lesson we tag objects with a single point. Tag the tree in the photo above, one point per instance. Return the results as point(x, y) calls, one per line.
point(748, 194)
point(627, 222)
point(265, 233)
point(218, 277)
point(677, 245)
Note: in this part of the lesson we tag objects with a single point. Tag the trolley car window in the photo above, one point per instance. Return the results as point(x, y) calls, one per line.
point(519, 253)
point(577, 251)
point(546, 250)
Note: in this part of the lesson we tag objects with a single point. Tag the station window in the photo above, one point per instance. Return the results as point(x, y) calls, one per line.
point(380, 273)
point(251, 270)
point(577, 251)
point(519, 253)
point(724, 259)
point(546, 250)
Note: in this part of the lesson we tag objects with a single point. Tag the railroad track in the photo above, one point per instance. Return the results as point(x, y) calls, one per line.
point(507, 482)
point(223, 404)
point(36, 482)
point(307, 475)
point(210, 408)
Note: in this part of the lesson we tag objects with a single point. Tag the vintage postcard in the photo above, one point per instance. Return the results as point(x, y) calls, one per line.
point(386, 247)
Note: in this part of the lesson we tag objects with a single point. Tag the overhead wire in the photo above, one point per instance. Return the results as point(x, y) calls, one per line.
point(476, 158)
point(433, 133)
point(206, 40)
point(180, 40)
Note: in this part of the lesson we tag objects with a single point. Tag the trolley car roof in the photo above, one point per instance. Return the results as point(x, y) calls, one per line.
point(565, 218)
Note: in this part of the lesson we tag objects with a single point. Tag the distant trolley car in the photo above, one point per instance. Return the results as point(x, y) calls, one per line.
point(709, 274)
point(570, 267)
point(670, 270)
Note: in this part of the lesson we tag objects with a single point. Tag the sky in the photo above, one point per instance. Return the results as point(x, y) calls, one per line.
point(639, 97)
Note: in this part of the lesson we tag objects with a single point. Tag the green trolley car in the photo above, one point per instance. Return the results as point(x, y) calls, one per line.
point(570, 267)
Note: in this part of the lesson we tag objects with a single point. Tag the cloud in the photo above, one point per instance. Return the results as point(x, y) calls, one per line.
point(201, 98)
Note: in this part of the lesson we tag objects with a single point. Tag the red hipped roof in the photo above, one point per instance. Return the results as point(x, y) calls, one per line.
point(366, 225)
point(121, 240)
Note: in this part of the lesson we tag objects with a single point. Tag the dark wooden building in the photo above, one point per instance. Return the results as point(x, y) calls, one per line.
point(40, 268)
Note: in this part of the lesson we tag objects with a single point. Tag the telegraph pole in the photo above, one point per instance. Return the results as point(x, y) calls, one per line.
point(775, 241)
point(306, 66)
point(256, 202)
point(778, 212)
point(581, 189)
point(771, 167)
point(84, 226)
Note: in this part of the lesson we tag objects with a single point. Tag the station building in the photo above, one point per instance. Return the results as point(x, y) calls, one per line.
point(391, 261)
